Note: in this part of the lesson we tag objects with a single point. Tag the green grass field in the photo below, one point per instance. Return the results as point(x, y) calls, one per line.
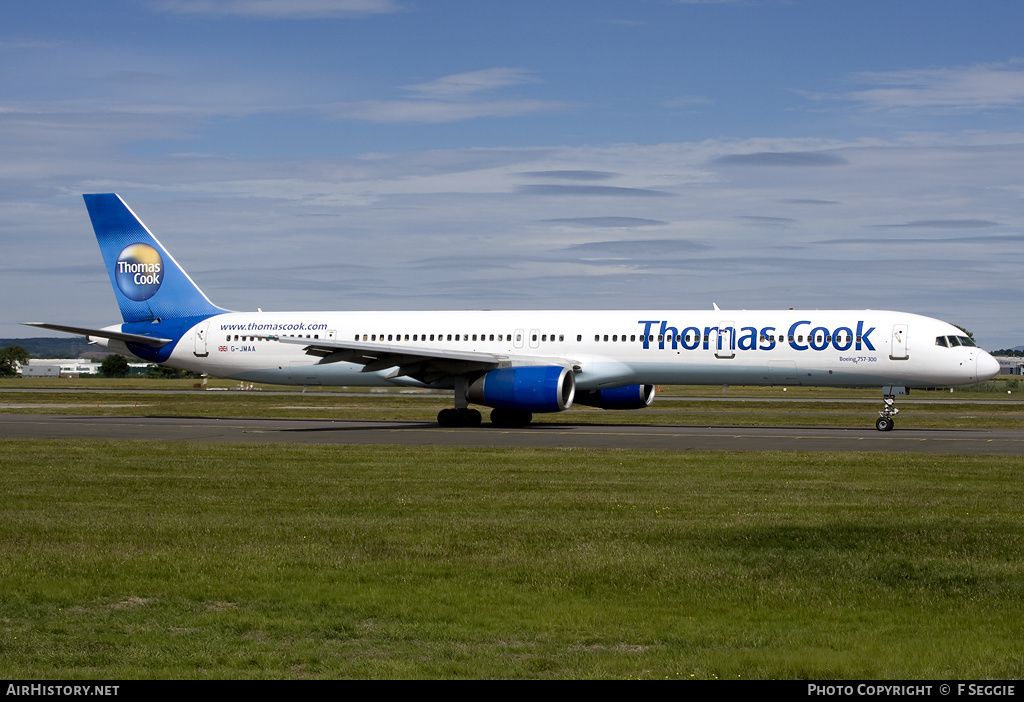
point(125, 560)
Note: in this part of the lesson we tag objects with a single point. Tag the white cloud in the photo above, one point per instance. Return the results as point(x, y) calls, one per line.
point(688, 101)
point(278, 9)
point(978, 87)
point(452, 98)
point(460, 85)
point(435, 111)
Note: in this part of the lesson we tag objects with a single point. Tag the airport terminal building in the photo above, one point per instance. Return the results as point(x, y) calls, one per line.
point(1010, 365)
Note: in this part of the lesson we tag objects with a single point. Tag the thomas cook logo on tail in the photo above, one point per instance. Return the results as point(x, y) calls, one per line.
point(139, 272)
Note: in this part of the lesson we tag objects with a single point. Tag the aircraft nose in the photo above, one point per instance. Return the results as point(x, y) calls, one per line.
point(988, 367)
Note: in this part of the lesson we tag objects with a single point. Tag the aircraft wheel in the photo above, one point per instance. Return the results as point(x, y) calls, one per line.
point(448, 418)
point(470, 417)
point(884, 424)
point(459, 417)
point(510, 418)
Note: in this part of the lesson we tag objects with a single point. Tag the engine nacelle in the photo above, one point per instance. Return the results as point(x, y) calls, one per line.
point(525, 388)
point(624, 398)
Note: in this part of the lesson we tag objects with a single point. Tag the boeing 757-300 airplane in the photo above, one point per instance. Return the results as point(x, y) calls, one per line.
point(515, 362)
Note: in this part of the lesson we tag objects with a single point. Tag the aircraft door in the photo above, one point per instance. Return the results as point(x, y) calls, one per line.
point(518, 343)
point(202, 331)
point(534, 338)
point(725, 344)
point(898, 350)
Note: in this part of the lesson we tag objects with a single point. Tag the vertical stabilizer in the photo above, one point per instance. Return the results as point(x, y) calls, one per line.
point(148, 283)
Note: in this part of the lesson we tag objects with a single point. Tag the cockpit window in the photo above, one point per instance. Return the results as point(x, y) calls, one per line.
point(952, 341)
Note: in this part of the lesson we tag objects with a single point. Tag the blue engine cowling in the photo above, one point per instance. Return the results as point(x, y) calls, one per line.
point(525, 388)
point(624, 398)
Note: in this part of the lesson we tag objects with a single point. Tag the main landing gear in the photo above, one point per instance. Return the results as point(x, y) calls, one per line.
point(462, 415)
point(459, 417)
point(466, 417)
point(885, 421)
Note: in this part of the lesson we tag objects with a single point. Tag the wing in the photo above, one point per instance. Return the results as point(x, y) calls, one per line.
point(427, 365)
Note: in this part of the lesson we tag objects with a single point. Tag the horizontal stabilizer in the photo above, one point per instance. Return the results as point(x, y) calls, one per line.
point(139, 339)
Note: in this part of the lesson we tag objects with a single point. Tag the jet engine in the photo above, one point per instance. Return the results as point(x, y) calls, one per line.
point(624, 398)
point(525, 389)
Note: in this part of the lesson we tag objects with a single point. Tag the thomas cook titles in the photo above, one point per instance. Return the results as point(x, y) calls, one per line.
point(139, 272)
point(818, 338)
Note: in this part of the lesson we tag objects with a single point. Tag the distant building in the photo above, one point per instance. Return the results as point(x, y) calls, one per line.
point(67, 367)
point(58, 367)
point(36, 369)
point(1010, 365)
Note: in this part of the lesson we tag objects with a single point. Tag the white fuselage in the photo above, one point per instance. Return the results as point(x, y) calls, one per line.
point(606, 348)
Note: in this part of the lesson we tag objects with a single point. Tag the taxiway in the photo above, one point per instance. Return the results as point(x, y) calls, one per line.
point(604, 436)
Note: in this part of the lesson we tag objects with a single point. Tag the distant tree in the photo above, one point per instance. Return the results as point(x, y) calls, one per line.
point(10, 357)
point(114, 367)
point(970, 335)
point(165, 373)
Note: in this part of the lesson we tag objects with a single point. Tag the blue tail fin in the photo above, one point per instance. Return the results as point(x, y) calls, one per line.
point(148, 283)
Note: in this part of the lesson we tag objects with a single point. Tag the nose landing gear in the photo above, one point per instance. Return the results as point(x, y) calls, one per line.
point(885, 421)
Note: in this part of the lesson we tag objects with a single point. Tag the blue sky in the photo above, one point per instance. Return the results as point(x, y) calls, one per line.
point(415, 154)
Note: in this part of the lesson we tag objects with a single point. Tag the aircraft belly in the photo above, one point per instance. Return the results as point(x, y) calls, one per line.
point(305, 373)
